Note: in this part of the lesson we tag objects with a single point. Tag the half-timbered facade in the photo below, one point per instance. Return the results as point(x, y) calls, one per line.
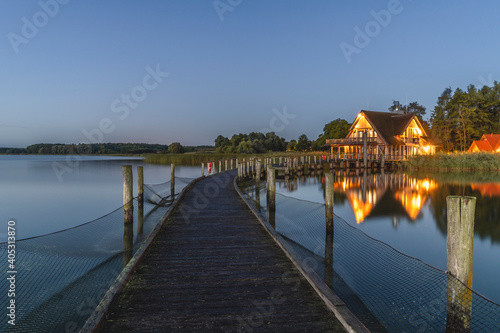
point(394, 135)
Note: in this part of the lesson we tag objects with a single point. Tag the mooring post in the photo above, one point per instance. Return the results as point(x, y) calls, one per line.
point(128, 214)
point(172, 182)
point(271, 196)
point(140, 199)
point(257, 170)
point(459, 249)
point(329, 177)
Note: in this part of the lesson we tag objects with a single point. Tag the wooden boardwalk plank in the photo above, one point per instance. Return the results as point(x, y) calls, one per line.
point(214, 267)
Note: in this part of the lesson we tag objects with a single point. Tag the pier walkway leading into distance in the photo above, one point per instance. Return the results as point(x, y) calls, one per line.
point(213, 267)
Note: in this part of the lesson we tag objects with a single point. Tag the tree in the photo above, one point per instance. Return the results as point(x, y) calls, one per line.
point(303, 143)
point(175, 148)
point(258, 147)
point(412, 108)
point(464, 116)
point(336, 129)
point(245, 147)
point(292, 145)
point(273, 142)
point(221, 142)
point(416, 109)
point(440, 125)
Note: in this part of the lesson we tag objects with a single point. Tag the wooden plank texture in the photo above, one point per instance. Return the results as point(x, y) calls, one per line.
point(214, 268)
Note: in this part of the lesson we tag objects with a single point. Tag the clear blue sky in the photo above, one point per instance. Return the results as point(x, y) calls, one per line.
point(73, 72)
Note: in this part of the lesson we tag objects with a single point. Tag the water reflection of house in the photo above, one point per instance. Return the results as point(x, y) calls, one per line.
point(393, 134)
point(398, 196)
point(487, 189)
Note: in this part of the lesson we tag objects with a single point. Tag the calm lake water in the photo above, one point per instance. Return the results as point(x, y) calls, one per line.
point(44, 194)
point(408, 212)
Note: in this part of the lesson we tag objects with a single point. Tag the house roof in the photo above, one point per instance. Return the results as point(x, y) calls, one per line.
point(493, 139)
point(481, 145)
point(388, 124)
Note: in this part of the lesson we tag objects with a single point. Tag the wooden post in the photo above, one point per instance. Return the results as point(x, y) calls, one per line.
point(329, 197)
point(140, 198)
point(172, 182)
point(128, 214)
point(232, 161)
point(257, 170)
point(202, 169)
point(225, 165)
point(459, 248)
point(220, 166)
point(271, 196)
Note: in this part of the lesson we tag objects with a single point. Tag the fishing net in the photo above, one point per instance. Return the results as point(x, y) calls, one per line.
point(386, 289)
point(61, 277)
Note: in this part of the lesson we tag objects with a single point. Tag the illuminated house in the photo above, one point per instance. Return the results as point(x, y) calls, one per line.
point(488, 143)
point(395, 135)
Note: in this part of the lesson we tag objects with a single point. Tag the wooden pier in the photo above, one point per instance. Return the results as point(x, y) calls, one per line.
point(213, 267)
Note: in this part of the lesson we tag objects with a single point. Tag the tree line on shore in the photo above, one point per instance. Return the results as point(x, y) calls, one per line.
point(103, 149)
point(463, 116)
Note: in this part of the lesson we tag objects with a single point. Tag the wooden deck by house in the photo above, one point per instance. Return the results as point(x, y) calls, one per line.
point(213, 267)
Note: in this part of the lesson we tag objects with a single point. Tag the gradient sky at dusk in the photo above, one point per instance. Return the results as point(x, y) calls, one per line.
point(228, 71)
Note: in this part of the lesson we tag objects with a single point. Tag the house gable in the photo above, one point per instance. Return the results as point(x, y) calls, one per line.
point(480, 145)
point(387, 127)
point(493, 140)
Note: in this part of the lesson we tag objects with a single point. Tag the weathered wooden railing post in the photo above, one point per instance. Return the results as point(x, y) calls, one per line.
point(271, 196)
point(140, 199)
point(203, 169)
point(459, 248)
point(128, 214)
point(257, 170)
point(172, 182)
point(225, 165)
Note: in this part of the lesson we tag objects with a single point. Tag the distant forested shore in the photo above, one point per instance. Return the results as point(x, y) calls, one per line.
point(104, 149)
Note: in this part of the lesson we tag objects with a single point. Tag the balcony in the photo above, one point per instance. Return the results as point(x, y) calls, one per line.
point(415, 141)
point(351, 141)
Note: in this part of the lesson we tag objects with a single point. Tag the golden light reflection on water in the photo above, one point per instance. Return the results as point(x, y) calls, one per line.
point(404, 194)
